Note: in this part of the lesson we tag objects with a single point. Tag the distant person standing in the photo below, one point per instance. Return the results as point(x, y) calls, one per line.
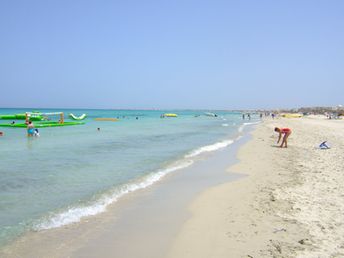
point(261, 115)
point(243, 116)
point(30, 129)
point(286, 132)
point(273, 115)
point(249, 116)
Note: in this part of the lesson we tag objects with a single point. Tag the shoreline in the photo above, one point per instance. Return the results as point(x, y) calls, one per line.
point(86, 237)
point(263, 201)
point(289, 205)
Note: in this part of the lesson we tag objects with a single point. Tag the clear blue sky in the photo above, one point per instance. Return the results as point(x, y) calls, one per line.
point(171, 54)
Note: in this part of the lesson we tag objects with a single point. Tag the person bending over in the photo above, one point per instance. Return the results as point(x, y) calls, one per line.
point(286, 132)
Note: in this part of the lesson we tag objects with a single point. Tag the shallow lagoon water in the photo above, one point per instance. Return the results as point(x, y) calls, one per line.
point(71, 172)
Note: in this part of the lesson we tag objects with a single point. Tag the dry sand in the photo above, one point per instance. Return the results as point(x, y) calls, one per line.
point(291, 204)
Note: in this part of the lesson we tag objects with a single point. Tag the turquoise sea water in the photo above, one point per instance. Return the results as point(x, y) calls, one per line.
point(75, 171)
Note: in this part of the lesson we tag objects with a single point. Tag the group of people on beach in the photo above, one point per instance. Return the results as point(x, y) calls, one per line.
point(248, 116)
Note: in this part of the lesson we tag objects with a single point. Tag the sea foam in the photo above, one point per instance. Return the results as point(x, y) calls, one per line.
point(75, 214)
point(209, 148)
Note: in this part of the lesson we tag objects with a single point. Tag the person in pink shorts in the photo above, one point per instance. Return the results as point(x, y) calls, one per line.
point(286, 132)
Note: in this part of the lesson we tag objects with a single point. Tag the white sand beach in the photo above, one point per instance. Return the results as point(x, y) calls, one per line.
point(146, 129)
point(288, 202)
point(291, 204)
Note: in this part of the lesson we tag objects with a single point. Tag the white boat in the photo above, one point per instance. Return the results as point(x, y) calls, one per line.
point(210, 114)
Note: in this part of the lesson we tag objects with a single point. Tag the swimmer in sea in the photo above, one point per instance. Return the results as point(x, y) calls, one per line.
point(36, 132)
point(286, 132)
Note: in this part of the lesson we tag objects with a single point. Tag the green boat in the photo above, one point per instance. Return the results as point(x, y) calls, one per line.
point(33, 117)
point(43, 124)
point(40, 123)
